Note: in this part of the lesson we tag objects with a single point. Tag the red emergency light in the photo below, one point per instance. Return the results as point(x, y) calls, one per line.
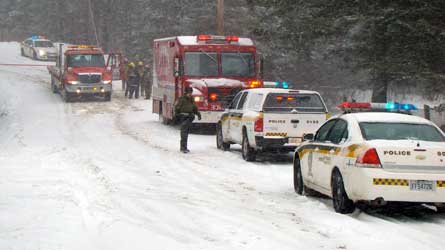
point(355, 105)
point(204, 37)
point(232, 38)
point(213, 97)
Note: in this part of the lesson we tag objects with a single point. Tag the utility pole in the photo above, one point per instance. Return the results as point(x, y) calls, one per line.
point(220, 17)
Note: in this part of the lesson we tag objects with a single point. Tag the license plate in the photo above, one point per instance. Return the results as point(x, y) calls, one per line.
point(295, 140)
point(419, 185)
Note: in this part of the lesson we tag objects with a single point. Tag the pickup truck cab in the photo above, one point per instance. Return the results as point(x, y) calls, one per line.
point(81, 71)
point(270, 119)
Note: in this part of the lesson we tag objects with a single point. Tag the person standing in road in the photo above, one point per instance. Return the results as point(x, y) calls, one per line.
point(141, 74)
point(147, 82)
point(185, 111)
point(123, 71)
point(133, 81)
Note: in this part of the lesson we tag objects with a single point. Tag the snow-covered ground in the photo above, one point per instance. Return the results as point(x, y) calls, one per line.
point(108, 175)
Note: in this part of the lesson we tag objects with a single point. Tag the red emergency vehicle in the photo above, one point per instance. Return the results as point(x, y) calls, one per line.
point(81, 70)
point(216, 67)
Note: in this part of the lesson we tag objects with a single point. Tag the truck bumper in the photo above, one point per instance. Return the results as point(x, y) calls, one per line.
point(274, 144)
point(88, 89)
point(209, 117)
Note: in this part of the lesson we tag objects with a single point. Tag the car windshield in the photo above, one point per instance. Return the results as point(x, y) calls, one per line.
point(43, 44)
point(400, 131)
point(286, 102)
point(200, 64)
point(85, 60)
point(238, 64)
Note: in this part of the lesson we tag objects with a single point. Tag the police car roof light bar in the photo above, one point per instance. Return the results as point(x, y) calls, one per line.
point(390, 106)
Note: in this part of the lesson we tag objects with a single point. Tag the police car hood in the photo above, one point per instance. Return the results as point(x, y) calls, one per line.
point(410, 155)
point(216, 82)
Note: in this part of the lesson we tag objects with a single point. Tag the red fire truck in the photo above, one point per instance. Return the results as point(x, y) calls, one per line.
point(216, 67)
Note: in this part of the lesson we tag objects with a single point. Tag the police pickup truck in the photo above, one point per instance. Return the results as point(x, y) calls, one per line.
point(269, 119)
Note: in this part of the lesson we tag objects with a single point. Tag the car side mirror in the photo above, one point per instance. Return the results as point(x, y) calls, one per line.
point(308, 137)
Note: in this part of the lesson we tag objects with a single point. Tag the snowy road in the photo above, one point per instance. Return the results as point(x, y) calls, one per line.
point(99, 175)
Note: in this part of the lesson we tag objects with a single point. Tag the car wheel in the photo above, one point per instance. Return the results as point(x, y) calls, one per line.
point(248, 152)
point(220, 144)
point(342, 204)
point(298, 177)
point(22, 52)
point(53, 85)
point(34, 55)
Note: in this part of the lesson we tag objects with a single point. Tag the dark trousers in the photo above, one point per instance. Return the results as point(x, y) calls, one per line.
point(186, 124)
point(132, 87)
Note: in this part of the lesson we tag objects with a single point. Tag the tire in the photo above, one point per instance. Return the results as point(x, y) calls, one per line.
point(248, 152)
point(440, 208)
point(220, 144)
point(298, 178)
point(34, 55)
point(67, 96)
point(341, 201)
point(53, 85)
point(107, 97)
point(22, 53)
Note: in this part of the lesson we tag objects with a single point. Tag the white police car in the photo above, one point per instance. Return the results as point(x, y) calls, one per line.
point(38, 48)
point(373, 157)
point(268, 119)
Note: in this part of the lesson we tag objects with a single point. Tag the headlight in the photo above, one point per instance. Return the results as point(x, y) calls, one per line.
point(42, 52)
point(106, 81)
point(73, 82)
point(198, 98)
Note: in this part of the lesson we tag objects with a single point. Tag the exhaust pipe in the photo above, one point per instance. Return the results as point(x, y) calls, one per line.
point(379, 202)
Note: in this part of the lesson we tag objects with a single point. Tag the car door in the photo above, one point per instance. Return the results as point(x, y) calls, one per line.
point(236, 119)
point(228, 121)
point(332, 157)
point(320, 153)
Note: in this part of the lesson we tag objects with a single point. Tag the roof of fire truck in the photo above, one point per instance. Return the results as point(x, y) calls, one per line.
point(209, 39)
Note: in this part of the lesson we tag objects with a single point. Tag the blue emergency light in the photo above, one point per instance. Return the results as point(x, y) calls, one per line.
point(37, 37)
point(283, 85)
point(400, 106)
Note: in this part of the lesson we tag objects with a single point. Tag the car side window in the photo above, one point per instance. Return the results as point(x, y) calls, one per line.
point(242, 100)
point(323, 132)
point(339, 132)
point(255, 102)
point(235, 101)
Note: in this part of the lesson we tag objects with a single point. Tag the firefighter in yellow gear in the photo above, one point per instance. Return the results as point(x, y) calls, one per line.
point(141, 74)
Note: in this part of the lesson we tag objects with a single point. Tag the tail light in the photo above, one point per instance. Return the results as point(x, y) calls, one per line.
point(259, 123)
point(369, 159)
point(213, 97)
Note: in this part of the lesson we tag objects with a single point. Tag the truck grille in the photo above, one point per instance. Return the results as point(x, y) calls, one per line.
point(90, 78)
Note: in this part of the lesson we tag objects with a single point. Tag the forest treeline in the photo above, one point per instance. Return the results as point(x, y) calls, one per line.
point(336, 44)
